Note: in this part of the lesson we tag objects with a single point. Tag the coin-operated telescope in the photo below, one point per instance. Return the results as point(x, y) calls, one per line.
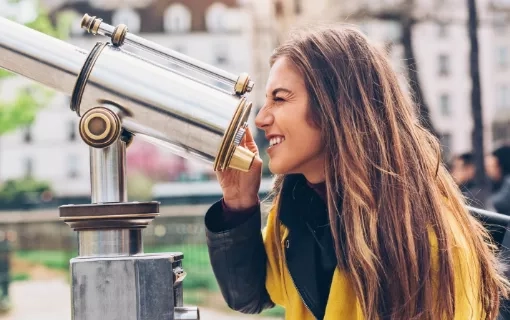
point(119, 96)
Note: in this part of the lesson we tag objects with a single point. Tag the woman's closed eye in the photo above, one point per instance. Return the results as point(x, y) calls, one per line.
point(278, 99)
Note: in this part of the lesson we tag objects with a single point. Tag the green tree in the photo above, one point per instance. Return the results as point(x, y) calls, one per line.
point(21, 110)
point(25, 191)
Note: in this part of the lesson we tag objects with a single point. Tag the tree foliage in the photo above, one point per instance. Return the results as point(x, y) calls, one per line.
point(21, 192)
point(22, 110)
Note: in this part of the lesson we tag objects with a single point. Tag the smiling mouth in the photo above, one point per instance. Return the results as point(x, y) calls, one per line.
point(276, 141)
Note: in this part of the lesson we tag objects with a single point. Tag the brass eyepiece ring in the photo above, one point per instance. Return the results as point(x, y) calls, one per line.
point(91, 24)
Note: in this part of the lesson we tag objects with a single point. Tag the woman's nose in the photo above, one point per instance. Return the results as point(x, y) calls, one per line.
point(263, 118)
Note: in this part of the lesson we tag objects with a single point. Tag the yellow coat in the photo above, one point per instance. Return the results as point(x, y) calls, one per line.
point(342, 302)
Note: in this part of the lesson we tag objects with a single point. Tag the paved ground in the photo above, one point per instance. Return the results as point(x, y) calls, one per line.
point(49, 300)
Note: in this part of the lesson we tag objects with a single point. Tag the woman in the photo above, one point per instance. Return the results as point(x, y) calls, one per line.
point(498, 170)
point(366, 223)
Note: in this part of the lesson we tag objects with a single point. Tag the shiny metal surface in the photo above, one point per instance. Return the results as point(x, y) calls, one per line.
point(108, 173)
point(180, 59)
point(39, 57)
point(103, 243)
point(189, 115)
point(108, 184)
point(186, 313)
point(127, 288)
point(111, 277)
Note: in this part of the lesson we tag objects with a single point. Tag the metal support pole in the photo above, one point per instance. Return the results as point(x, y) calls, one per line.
point(111, 276)
point(108, 185)
point(108, 173)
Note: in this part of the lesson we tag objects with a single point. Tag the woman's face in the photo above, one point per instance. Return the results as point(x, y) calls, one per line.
point(295, 143)
point(492, 168)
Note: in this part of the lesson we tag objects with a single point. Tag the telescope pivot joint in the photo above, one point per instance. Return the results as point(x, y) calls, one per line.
point(100, 127)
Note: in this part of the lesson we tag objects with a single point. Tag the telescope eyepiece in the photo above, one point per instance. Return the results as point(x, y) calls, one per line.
point(91, 24)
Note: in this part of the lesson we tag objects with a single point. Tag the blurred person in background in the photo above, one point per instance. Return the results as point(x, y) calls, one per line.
point(463, 171)
point(498, 170)
point(497, 166)
point(366, 221)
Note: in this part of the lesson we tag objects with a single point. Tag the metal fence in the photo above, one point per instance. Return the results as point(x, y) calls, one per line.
point(40, 238)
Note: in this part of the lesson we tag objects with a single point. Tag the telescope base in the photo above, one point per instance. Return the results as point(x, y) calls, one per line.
point(140, 287)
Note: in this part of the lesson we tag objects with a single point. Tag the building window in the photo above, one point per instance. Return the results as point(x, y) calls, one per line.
point(445, 139)
point(177, 18)
point(502, 57)
point(278, 8)
point(220, 54)
point(501, 131)
point(72, 130)
point(298, 6)
point(72, 166)
point(27, 134)
point(442, 30)
point(29, 168)
point(221, 59)
point(214, 18)
point(500, 24)
point(444, 65)
point(444, 104)
point(129, 17)
point(503, 97)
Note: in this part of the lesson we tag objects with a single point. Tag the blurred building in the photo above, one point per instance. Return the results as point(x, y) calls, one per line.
point(264, 38)
point(441, 46)
point(213, 31)
point(239, 36)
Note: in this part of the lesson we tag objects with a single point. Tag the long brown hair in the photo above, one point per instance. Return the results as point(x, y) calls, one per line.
point(386, 170)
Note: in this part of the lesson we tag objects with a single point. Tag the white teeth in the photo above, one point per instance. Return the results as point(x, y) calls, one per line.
point(276, 140)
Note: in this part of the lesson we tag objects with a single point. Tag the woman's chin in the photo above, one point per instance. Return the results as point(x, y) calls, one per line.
point(276, 168)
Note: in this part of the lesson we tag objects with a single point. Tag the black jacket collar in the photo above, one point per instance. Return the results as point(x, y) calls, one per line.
point(297, 201)
point(309, 250)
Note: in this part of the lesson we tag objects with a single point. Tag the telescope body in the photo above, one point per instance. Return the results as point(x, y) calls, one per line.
point(164, 106)
point(118, 96)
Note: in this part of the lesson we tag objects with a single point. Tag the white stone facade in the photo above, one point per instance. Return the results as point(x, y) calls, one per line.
point(55, 151)
point(442, 53)
point(242, 39)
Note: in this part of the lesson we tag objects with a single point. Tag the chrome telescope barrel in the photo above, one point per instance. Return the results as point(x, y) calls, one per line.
point(120, 35)
point(193, 119)
point(39, 57)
